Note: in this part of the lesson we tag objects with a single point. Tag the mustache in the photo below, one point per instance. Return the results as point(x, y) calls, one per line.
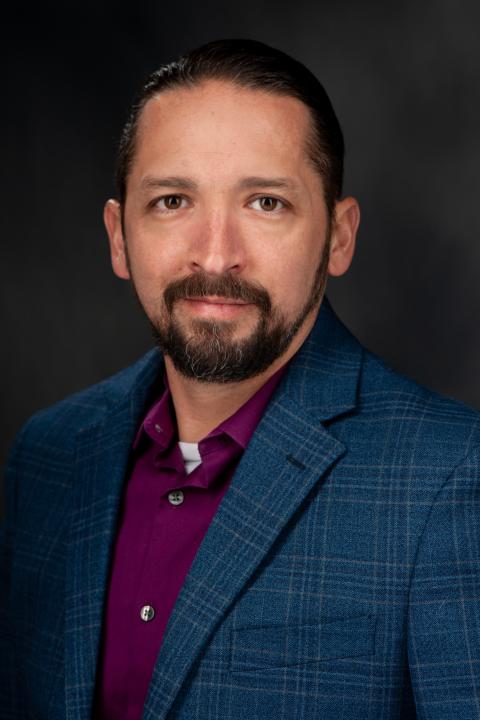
point(198, 285)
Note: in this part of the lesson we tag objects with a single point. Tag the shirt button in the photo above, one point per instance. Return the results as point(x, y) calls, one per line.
point(175, 497)
point(147, 613)
point(158, 428)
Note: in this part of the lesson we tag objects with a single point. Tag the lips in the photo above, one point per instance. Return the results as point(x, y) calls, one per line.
point(216, 306)
point(217, 300)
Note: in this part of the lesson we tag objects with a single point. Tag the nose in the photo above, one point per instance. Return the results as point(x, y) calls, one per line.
point(217, 246)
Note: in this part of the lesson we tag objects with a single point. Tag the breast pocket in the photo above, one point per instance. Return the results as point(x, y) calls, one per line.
point(272, 646)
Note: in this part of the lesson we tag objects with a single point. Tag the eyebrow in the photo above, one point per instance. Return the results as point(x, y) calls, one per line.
point(150, 183)
point(247, 183)
point(254, 181)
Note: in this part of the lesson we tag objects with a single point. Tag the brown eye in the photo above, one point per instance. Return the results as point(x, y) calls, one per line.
point(172, 202)
point(268, 203)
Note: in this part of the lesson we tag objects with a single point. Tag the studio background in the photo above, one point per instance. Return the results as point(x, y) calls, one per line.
point(404, 79)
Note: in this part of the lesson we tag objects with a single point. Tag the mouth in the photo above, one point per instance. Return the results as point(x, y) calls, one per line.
point(216, 306)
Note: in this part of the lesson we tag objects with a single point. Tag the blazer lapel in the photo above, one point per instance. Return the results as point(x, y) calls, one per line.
point(103, 450)
point(288, 455)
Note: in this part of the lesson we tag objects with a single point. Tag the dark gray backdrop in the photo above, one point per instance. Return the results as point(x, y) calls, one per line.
point(404, 78)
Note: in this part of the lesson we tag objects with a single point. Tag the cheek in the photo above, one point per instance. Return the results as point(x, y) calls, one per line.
point(291, 278)
point(151, 245)
point(152, 259)
point(153, 265)
point(150, 282)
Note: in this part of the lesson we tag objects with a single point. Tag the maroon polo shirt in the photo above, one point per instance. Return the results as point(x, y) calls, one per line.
point(166, 513)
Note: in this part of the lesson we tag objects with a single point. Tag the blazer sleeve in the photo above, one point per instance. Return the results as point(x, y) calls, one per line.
point(9, 700)
point(444, 602)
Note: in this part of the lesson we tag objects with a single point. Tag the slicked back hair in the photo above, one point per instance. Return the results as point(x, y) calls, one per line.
point(253, 65)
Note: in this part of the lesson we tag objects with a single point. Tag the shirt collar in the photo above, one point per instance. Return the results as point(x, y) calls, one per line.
point(160, 425)
point(242, 424)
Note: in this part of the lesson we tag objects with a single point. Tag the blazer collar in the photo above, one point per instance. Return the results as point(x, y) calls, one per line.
point(323, 376)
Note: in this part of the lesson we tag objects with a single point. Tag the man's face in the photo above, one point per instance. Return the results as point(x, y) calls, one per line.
point(225, 231)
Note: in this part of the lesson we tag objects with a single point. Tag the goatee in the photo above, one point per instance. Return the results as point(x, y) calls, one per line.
point(206, 350)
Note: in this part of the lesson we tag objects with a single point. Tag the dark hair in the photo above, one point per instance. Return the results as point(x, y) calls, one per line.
point(249, 64)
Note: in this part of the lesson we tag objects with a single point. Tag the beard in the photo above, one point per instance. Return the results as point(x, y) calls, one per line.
point(206, 349)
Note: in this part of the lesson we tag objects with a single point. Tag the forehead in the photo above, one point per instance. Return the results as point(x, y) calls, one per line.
point(218, 126)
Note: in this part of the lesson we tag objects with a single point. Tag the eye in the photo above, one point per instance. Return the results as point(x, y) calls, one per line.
point(267, 204)
point(170, 202)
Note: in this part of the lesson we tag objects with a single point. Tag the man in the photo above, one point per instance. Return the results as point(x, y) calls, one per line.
point(261, 520)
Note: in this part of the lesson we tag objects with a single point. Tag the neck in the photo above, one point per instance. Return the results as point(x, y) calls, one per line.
point(202, 406)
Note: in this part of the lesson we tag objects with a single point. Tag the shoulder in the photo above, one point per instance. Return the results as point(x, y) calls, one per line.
point(56, 426)
point(41, 465)
point(415, 416)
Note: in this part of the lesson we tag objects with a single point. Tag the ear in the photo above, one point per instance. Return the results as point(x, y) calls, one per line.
point(112, 217)
point(344, 232)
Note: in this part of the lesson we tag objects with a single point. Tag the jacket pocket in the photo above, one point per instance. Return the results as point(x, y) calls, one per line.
point(258, 648)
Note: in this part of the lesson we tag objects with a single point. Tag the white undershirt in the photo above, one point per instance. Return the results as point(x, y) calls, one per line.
point(191, 456)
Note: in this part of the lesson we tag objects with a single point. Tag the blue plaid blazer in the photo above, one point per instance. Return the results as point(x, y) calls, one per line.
point(339, 579)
